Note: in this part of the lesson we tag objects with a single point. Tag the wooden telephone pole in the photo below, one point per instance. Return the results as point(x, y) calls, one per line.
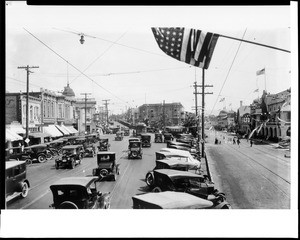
point(27, 99)
point(106, 109)
point(85, 98)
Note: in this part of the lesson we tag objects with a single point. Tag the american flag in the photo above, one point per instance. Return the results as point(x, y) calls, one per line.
point(260, 72)
point(192, 46)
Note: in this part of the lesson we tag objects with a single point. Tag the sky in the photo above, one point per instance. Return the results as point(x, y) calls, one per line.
point(124, 63)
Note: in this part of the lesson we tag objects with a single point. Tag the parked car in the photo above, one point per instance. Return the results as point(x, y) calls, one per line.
point(78, 193)
point(168, 163)
point(146, 140)
point(103, 144)
point(169, 200)
point(71, 156)
point(158, 138)
point(188, 182)
point(135, 150)
point(107, 166)
point(119, 136)
point(168, 137)
point(171, 143)
point(16, 182)
point(37, 152)
point(134, 139)
point(181, 154)
point(126, 132)
point(90, 151)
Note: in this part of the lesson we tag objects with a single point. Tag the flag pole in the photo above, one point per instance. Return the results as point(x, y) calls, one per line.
point(263, 45)
point(265, 80)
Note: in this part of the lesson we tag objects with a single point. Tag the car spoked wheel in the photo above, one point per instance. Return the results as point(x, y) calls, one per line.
point(103, 172)
point(134, 154)
point(156, 189)
point(25, 190)
point(42, 158)
point(68, 205)
point(28, 161)
point(149, 179)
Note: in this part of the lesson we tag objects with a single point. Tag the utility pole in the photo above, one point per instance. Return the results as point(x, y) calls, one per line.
point(106, 109)
point(85, 94)
point(202, 108)
point(27, 99)
point(164, 115)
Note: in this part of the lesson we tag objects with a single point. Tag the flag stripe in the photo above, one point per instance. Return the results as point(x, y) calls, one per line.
point(211, 49)
point(186, 33)
point(204, 47)
point(199, 44)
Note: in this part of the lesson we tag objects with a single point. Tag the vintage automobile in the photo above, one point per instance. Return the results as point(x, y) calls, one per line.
point(158, 138)
point(168, 137)
point(90, 151)
point(103, 144)
point(71, 156)
point(78, 193)
point(181, 154)
point(16, 183)
point(185, 181)
point(119, 136)
point(126, 132)
point(172, 143)
point(146, 140)
point(37, 152)
point(168, 163)
point(134, 139)
point(135, 150)
point(107, 166)
point(169, 200)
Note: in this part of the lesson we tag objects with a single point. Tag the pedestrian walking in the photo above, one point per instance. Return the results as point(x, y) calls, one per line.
point(233, 140)
point(238, 142)
point(251, 142)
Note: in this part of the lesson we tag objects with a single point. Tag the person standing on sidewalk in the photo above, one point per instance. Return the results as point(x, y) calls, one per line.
point(251, 142)
point(238, 142)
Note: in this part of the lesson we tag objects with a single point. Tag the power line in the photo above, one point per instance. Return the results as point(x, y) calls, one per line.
point(228, 72)
point(72, 65)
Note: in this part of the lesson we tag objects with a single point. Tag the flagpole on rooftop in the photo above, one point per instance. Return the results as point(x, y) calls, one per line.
point(265, 80)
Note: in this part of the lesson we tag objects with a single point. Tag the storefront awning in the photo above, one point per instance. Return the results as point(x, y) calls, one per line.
point(39, 135)
point(65, 132)
point(18, 129)
point(53, 131)
point(12, 136)
point(65, 128)
point(71, 129)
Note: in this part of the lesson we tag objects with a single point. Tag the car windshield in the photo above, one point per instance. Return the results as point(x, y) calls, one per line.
point(69, 151)
point(134, 144)
point(104, 158)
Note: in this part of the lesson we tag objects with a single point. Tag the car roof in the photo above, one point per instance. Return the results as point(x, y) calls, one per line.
point(173, 200)
point(174, 161)
point(78, 181)
point(177, 173)
point(13, 163)
point(71, 146)
point(134, 139)
point(36, 146)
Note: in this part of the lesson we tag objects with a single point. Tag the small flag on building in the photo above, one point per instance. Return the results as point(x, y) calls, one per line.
point(260, 72)
point(188, 45)
point(256, 90)
point(222, 99)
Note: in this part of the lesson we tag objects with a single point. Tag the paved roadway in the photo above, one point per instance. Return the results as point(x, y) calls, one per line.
point(128, 183)
point(256, 177)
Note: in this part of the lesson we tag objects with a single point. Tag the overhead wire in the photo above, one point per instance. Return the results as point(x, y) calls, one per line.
point(72, 65)
point(228, 72)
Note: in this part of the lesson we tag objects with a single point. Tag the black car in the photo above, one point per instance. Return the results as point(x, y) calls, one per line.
point(103, 144)
point(158, 138)
point(168, 137)
point(135, 149)
point(78, 193)
point(188, 182)
point(16, 182)
point(107, 166)
point(71, 156)
point(146, 140)
point(37, 152)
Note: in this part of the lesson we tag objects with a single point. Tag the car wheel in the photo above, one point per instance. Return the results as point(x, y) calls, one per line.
point(42, 158)
point(149, 179)
point(67, 205)
point(25, 190)
point(134, 154)
point(28, 161)
point(156, 189)
point(103, 172)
